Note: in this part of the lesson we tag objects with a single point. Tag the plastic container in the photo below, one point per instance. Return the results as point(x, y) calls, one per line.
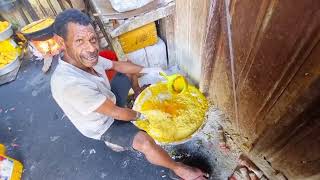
point(128, 5)
point(176, 83)
point(10, 169)
point(139, 38)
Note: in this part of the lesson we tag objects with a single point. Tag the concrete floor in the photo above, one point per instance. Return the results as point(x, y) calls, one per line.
point(36, 132)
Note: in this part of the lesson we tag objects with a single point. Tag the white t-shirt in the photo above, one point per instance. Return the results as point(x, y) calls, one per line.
point(79, 94)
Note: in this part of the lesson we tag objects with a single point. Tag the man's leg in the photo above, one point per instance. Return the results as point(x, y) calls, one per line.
point(157, 155)
point(120, 86)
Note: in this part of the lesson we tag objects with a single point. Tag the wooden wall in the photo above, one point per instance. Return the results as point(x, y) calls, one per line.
point(261, 66)
point(27, 11)
point(190, 23)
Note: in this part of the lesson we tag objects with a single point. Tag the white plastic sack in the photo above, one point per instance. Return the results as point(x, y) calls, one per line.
point(157, 54)
point(150, 56)
point(128, 5)
point(138, 57)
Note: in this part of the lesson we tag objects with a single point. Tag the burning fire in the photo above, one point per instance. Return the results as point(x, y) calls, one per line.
point(47, 48)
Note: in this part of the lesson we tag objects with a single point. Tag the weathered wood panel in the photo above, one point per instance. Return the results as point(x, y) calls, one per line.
point(261, 66)
point(273, 60)
point(166, 33)
point(190, 26)
point(292, 139)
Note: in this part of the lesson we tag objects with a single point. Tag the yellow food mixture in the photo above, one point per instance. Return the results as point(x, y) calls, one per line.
point(37, 25)
point(170, 117)
point(3, 25)
point(8, 52)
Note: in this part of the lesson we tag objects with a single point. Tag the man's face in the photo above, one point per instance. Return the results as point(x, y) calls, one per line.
point(81, 44)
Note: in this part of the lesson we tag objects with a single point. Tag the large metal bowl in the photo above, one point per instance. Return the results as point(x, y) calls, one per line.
point(9, 72)
point(40, 35)
point(193, 135)
point(7, 33)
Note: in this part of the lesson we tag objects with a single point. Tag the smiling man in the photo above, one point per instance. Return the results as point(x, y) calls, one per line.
point(96, 107)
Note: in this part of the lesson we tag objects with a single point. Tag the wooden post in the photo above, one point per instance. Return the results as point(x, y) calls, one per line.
point(212, 37)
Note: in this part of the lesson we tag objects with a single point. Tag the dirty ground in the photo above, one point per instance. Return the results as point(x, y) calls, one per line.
point(36, 132)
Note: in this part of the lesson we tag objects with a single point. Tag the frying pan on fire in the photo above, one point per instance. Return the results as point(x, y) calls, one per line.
point(40, 30)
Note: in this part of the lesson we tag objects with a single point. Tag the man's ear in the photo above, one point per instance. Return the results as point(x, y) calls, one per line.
point(60, 42)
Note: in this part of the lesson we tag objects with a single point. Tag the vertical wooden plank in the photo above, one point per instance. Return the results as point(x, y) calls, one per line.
point(181, 34)
point(222, 85)
point(291, 136)
point(274, 58)
point(299, 157)
point(245, 29)
point(167, 29)
point(190, 23)
point(30, 10)
point(211, 45)
point(14, 17)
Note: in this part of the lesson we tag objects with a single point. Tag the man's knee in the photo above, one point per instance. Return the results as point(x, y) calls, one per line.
point(142, 141)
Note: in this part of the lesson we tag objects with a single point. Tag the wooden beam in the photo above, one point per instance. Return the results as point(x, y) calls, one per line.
point(30, 10)
point(143, 19)
point(113, 42)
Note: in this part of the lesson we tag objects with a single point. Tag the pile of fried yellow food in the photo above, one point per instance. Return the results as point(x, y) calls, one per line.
point(8, 50)
point(37, 25)
point(170, 117)
point(3, 25)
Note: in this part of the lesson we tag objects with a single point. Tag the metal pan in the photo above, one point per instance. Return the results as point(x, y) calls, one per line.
point(189, 138)
point(40, 35)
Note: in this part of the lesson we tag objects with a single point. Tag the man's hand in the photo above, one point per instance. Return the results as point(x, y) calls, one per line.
point(140, 116)
point(150, 70)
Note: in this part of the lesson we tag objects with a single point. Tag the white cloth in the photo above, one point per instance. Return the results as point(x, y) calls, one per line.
point(150, 70)
point(79, 94)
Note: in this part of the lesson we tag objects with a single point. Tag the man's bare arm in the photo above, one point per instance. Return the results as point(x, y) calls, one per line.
point(119, 113)
point(126, 67)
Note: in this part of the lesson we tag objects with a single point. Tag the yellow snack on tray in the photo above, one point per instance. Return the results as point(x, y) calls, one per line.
point(170, 117)
point(8, 52)
point(3, 25)
point(37, 25)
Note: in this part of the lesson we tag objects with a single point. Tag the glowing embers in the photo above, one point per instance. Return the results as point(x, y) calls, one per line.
point(47, 47)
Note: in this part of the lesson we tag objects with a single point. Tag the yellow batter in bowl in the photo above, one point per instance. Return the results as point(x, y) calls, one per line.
point(4, 25)
point(170, 117)
point(37, 25)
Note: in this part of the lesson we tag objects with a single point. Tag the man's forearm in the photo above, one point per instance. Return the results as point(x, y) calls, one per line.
point(124, 114)
point(108, 108)
point(127, 67)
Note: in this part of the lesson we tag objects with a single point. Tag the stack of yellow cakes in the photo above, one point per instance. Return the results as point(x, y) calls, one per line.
point(9, 49)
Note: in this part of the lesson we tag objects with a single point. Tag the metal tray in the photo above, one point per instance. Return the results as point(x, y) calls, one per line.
point(7, 33)
point(10, 71)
